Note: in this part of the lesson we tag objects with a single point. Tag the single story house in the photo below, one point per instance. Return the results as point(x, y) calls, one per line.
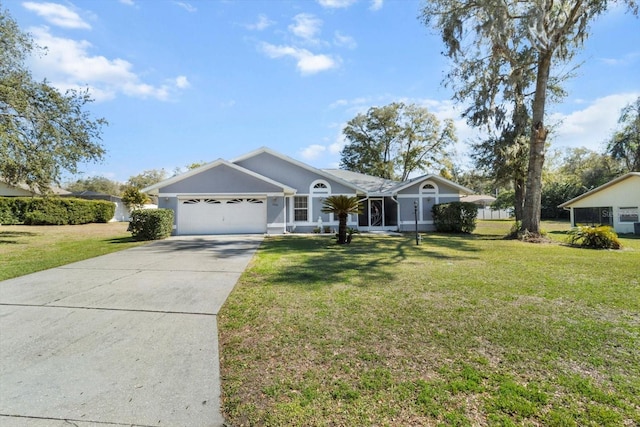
point(267, 192)
point(23, 190)
point(616, 203)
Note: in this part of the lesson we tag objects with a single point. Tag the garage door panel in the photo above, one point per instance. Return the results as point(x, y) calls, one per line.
point(222, 216)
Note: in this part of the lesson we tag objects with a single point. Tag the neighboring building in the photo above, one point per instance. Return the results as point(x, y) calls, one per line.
point(616, 203)
point(267, 192)
point(482, 200)
point(121, 212)
point(23, 190)
point(485, 211)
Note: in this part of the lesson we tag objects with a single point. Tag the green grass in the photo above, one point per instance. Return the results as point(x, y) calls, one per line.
point(27, 249)
point(461, 331)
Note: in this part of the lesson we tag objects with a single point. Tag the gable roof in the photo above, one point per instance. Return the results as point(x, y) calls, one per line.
point(27, 191)
point(602, 187)
point(409, 183)
point(153, 189)
point(322, 173)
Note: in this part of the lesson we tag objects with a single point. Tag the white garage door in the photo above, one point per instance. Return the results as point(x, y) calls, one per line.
point(222, 216)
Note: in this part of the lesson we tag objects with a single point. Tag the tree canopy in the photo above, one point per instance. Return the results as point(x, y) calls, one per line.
point(625, 143)
point(395, 140)
point(514, 42)
point(147, 178)
point(42, 132)
point(99, 184)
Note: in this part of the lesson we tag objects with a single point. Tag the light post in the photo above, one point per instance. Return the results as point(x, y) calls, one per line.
point(415, 213)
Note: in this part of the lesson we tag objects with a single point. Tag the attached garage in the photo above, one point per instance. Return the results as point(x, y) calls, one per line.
point(223, 198)
point(214, 215)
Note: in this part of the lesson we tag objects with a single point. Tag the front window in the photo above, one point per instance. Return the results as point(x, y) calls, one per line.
point(300, 208)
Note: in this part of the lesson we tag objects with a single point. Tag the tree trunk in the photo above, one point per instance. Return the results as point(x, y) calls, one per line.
point(518, 187)
point(533, 192)
point(342, 229)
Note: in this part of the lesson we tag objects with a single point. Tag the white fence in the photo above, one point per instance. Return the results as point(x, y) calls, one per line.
point(488, 213)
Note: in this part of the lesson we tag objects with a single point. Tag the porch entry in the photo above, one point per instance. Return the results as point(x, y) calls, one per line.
point(373, 214)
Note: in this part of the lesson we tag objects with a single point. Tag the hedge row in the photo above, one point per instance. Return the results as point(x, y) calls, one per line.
point(54, 211)
point(151, 224)
point(455, 217)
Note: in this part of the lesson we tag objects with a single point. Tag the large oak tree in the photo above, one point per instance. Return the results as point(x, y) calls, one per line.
point(42, 132)
point(514, 38)
point(395, 140)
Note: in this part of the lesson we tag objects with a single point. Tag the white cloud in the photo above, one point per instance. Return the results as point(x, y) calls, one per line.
point(182, 82)
point(343, 40)
point(186, 6)
point(57, 14)
point(627, 59)
point(336, 4)
point(592, 126)
point(312, 152)
point(336, 147)
point(262, 24)
point(69, 65)
point(128, 2)
point(376, 5)
point(339, 103)
point(307, 62)
point(306, 26)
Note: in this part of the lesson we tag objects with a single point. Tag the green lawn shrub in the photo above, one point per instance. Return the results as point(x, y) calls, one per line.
point(601, 237)
point(103, 211)
point(151, 224)
point(455, 217)
point(54, 211)
point(12, 210)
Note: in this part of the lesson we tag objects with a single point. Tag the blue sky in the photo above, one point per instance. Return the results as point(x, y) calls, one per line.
point(191, 81)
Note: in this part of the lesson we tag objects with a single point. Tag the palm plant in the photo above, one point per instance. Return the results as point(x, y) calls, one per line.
point(341, 206)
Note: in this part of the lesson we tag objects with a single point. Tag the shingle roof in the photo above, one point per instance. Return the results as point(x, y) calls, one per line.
point(372, 184)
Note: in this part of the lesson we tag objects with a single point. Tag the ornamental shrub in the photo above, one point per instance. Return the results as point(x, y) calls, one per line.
point(54, 211)
point(12, 210)
point(455, 217)
point(103, 211)
point(600, 237)
point(151, 224)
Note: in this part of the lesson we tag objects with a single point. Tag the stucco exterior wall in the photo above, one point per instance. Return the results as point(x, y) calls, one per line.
point(289, 174)
point(220, 180)
point(443, 193)
point(276, 215)
point(623, 194)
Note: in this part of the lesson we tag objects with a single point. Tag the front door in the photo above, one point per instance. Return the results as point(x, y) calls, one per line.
point(376, 213)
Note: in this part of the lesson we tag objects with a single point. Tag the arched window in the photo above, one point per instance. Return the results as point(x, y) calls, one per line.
point(320, 187)
point(429, 188)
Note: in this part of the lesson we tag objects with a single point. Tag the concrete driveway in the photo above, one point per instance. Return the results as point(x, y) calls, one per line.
point(128, 338)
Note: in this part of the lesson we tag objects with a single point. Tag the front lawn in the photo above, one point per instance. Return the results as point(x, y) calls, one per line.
point(461, 330)
point(26, 249)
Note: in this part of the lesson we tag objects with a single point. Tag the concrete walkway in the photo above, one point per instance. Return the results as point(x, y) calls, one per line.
point(128, 338)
